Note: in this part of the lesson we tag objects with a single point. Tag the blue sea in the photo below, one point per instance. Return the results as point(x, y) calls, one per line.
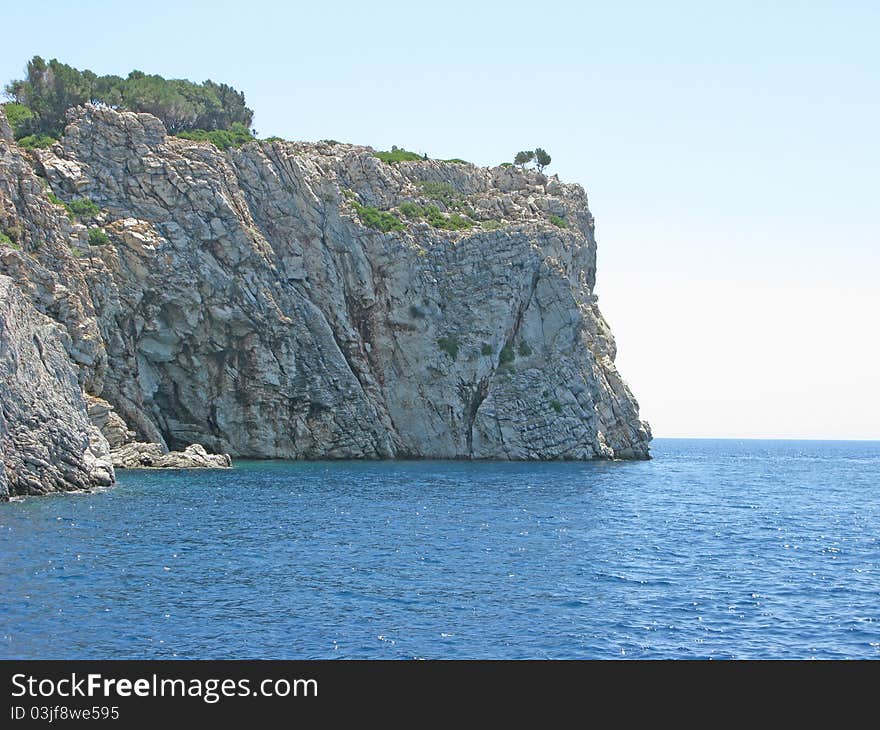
point(714, 549)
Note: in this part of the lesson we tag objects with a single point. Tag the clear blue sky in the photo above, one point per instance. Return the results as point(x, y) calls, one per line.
point(731, 157)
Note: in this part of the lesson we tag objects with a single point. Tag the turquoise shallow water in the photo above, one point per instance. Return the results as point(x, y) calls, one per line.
point(746, 549)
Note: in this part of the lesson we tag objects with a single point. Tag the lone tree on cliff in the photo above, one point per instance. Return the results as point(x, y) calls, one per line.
point(524, 158)
point(538, 156)
point(542, 159)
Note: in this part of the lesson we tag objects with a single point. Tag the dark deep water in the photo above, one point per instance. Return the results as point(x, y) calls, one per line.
point(746, 549)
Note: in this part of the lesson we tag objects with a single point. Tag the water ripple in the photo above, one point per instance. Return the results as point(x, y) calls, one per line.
point(715, 549)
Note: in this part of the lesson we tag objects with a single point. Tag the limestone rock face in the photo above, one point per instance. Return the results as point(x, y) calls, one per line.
point(127, 452)
point(47, 443)
point(243, 304)
point(108, 422)
point(139, 455)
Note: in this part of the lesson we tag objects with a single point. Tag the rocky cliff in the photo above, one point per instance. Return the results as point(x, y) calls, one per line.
point(242, 301)
point(46, 440)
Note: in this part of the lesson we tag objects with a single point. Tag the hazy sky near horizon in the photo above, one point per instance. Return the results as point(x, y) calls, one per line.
point(730, 154)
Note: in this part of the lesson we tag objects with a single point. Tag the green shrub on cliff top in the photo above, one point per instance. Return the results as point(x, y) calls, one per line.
point(222, 139)
point(523, 158)
point(50, 88)
point(399, 155)
point(18, 116)
point(542, 159)
point(538, 156)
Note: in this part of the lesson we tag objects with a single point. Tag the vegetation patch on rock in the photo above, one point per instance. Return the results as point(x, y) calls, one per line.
point(36, 141)
point(399, 155)
point(435, 217)
point(449, 345)
point(381, 220)
point(77, 208)
point(97, 237)
point(222, 139)
point(442, 192)
point(50, 88)
point(82, 208)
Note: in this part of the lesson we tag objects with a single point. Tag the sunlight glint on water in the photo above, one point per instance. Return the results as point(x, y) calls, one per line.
point(714, 549)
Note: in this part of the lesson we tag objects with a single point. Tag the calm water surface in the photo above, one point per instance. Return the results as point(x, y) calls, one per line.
point(713, 549)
